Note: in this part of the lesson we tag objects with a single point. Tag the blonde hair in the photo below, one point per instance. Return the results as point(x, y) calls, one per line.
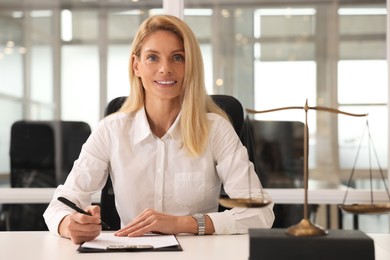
point(195, 102)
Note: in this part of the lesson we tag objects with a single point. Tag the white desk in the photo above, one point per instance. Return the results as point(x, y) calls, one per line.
point(279, 196)
point(45, 246)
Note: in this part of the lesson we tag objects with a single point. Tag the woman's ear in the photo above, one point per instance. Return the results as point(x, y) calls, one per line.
point(135, 65)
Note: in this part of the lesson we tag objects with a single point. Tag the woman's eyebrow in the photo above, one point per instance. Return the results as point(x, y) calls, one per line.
point(155, 51)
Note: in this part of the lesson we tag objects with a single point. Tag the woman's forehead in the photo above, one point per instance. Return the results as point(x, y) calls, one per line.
point(162, 40)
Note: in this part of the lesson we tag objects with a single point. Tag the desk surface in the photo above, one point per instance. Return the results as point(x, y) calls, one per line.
point(45, 246)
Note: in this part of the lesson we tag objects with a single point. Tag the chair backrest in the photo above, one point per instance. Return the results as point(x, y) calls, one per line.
point(279, 150)
point(229, 104)
point(114, 105)
point(46, 149)
point(233, 108)
point(73, 136)
point(32, 154)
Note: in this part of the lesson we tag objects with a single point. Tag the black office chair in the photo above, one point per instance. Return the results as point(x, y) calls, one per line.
point(233, 109)
point(229, 104)
point(278, 150)
point(41, 155)
point(32, 160)
point(73, 136)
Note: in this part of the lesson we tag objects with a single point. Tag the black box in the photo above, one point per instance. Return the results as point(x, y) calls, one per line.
point(276, 244)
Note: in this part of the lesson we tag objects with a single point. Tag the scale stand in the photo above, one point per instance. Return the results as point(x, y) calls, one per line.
point(305, 240)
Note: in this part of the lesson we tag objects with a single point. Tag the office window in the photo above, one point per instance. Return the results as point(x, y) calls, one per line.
point(362, 86)
point(353, 133)
point(200, 22)
point(122, 26)
point(118, 71)
point(41, 112)
point(80, 69)
point(292, 89)
point(285, 66)
point(12, 74)
point(208, 67)
point(12, 50)
point(41, 74)
point(25, 72)
point(80, 83)
point(41, 55)
point(10, 112)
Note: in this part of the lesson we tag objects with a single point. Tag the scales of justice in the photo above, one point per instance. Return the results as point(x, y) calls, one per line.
point(305, 227)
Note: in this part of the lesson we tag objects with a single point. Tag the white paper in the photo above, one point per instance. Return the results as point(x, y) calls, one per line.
point(105, 240)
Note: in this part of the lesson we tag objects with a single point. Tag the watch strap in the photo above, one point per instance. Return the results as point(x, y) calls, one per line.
point(200, 219)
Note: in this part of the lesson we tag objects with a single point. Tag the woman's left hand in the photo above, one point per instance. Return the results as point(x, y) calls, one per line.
point(152, 221)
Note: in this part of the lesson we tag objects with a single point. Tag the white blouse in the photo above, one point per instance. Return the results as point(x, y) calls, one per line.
point(157, 173)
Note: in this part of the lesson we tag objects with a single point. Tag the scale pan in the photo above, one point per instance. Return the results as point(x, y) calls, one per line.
point(366, 208)
point(244, 203)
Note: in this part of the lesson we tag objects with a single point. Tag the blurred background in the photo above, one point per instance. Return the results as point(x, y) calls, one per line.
point(64, 60)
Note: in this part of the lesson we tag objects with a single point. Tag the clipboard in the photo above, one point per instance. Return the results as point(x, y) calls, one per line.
point(107, 242)
point(161, 249)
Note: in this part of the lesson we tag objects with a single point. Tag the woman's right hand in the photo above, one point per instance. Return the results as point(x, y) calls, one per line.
point(80, 227)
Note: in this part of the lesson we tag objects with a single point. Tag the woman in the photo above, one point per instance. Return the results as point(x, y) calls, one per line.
point(168, 150)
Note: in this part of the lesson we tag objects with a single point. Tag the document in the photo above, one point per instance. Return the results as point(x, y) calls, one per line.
point(107, 241)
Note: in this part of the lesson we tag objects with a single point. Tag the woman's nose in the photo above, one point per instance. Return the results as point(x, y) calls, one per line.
point(165, 68)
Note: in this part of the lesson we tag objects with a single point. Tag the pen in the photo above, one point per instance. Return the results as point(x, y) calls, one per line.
point(74, 206)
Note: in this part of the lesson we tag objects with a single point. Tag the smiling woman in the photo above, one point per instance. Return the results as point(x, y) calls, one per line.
point(169, 149)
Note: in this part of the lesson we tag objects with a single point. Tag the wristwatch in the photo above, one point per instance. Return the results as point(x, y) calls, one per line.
point(200, 218)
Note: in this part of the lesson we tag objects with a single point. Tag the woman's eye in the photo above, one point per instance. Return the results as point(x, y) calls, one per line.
point(178, 58)
point(151, 58)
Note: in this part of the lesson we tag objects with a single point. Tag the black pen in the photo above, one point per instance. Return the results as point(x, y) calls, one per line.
point(74, 206)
